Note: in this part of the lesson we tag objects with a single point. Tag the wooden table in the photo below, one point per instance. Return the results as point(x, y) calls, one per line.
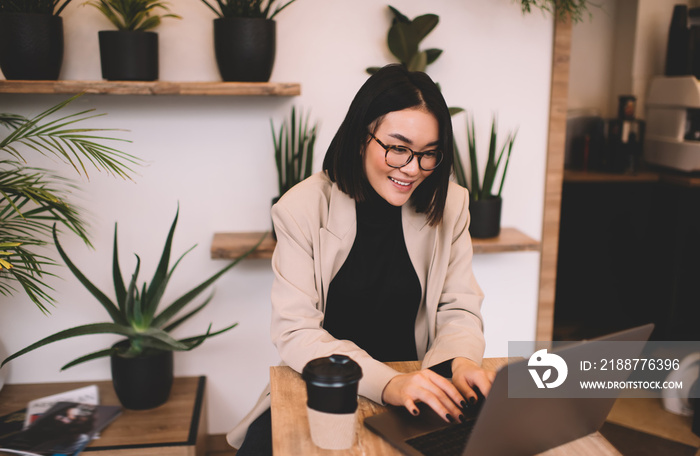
point(176, 428)
point(290, 427)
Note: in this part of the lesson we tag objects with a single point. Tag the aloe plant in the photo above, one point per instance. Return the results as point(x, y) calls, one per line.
point(53, 7)
point(247, 8)
point(404, 39)
point(136, 314)
point(294, 150)
point(136, 15)
point(481, 189)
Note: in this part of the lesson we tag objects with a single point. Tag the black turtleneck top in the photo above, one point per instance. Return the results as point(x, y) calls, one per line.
point(373, 300)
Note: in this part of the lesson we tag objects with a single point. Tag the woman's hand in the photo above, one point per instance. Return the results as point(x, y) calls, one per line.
point(428, 387)
point(468, 376)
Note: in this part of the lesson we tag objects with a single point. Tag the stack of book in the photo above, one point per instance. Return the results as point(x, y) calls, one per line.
point(59, 425)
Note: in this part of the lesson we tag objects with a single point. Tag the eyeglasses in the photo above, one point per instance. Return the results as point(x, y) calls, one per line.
point(400, 156)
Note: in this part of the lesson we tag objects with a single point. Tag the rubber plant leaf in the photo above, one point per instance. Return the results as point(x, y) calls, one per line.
point(423, 25)
point(433, 54)
point(418, 62)
point(398, 16)
point(402, 42)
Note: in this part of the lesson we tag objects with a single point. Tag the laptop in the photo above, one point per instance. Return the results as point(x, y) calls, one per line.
point(501, 425)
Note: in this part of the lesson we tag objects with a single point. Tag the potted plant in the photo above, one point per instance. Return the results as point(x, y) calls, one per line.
point(33, 199)
point(31, 38)
point(130, 53)
point(485, 204)
point(245, 38)
point(142, 363)
point(405, 36)
point(294, 151)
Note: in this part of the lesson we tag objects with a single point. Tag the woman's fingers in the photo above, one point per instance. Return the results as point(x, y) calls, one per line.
point(469, 378)
point(428, 387)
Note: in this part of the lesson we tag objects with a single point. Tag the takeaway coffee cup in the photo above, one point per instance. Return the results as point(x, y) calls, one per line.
point(331, 386)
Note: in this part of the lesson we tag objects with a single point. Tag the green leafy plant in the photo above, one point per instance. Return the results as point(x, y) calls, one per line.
point(294, 150)
point(483, 189)
point(133, 14)
point(136, 313)
point(559, 8)
point(33, 199)
point(404, 38)
point(53, 7)
point(247, 8)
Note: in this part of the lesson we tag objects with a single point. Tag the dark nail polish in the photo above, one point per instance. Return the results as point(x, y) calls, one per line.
point(463, 404)
point(461, 418)
point(449, 418)
point(472, 400)
point(415, 412)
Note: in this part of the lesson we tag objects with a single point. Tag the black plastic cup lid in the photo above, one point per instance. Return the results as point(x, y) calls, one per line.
point(334, 370)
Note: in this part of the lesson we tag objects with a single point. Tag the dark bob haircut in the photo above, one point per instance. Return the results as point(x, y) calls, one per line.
point(392, 88)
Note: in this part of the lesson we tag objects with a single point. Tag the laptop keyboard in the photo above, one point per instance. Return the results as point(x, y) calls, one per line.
point(449, 441)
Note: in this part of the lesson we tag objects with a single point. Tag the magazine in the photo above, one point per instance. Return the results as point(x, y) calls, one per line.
point(11, 424)
point(65, 429)
point(86, 395)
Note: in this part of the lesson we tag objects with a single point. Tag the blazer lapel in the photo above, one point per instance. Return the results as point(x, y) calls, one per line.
point(336, 237)
point(420, 243)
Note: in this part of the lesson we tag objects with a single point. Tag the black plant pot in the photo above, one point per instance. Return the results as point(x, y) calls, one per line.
point(31, 46)
point(143, 382)
point(485, 217)
point(129, 55)
point(245, 48)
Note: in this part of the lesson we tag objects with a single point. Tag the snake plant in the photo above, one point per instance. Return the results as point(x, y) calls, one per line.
point(136, 314)
point(294, 150)
point(483, 189)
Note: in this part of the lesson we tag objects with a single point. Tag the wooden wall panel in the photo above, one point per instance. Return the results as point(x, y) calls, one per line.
point(554, 178)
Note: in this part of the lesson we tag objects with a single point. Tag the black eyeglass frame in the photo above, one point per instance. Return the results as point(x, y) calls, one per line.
point(419, 155)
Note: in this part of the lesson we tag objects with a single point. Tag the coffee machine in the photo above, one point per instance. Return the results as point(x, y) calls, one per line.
point(673, 123)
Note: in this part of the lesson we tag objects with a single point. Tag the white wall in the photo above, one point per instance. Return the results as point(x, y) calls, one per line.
point(213, 155)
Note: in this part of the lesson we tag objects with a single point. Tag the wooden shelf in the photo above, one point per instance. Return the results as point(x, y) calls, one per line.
point(229, 246)
point(152, 88)
point(176, 428)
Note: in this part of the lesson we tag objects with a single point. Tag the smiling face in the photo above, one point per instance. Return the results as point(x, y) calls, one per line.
point(415, 128)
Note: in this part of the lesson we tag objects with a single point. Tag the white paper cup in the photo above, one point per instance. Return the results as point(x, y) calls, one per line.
point(332, 431)
point(331, 387)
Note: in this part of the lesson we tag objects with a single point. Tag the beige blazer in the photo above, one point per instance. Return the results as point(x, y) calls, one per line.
point(315, 224)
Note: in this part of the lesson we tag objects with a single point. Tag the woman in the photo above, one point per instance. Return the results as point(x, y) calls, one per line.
point(373, 257)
